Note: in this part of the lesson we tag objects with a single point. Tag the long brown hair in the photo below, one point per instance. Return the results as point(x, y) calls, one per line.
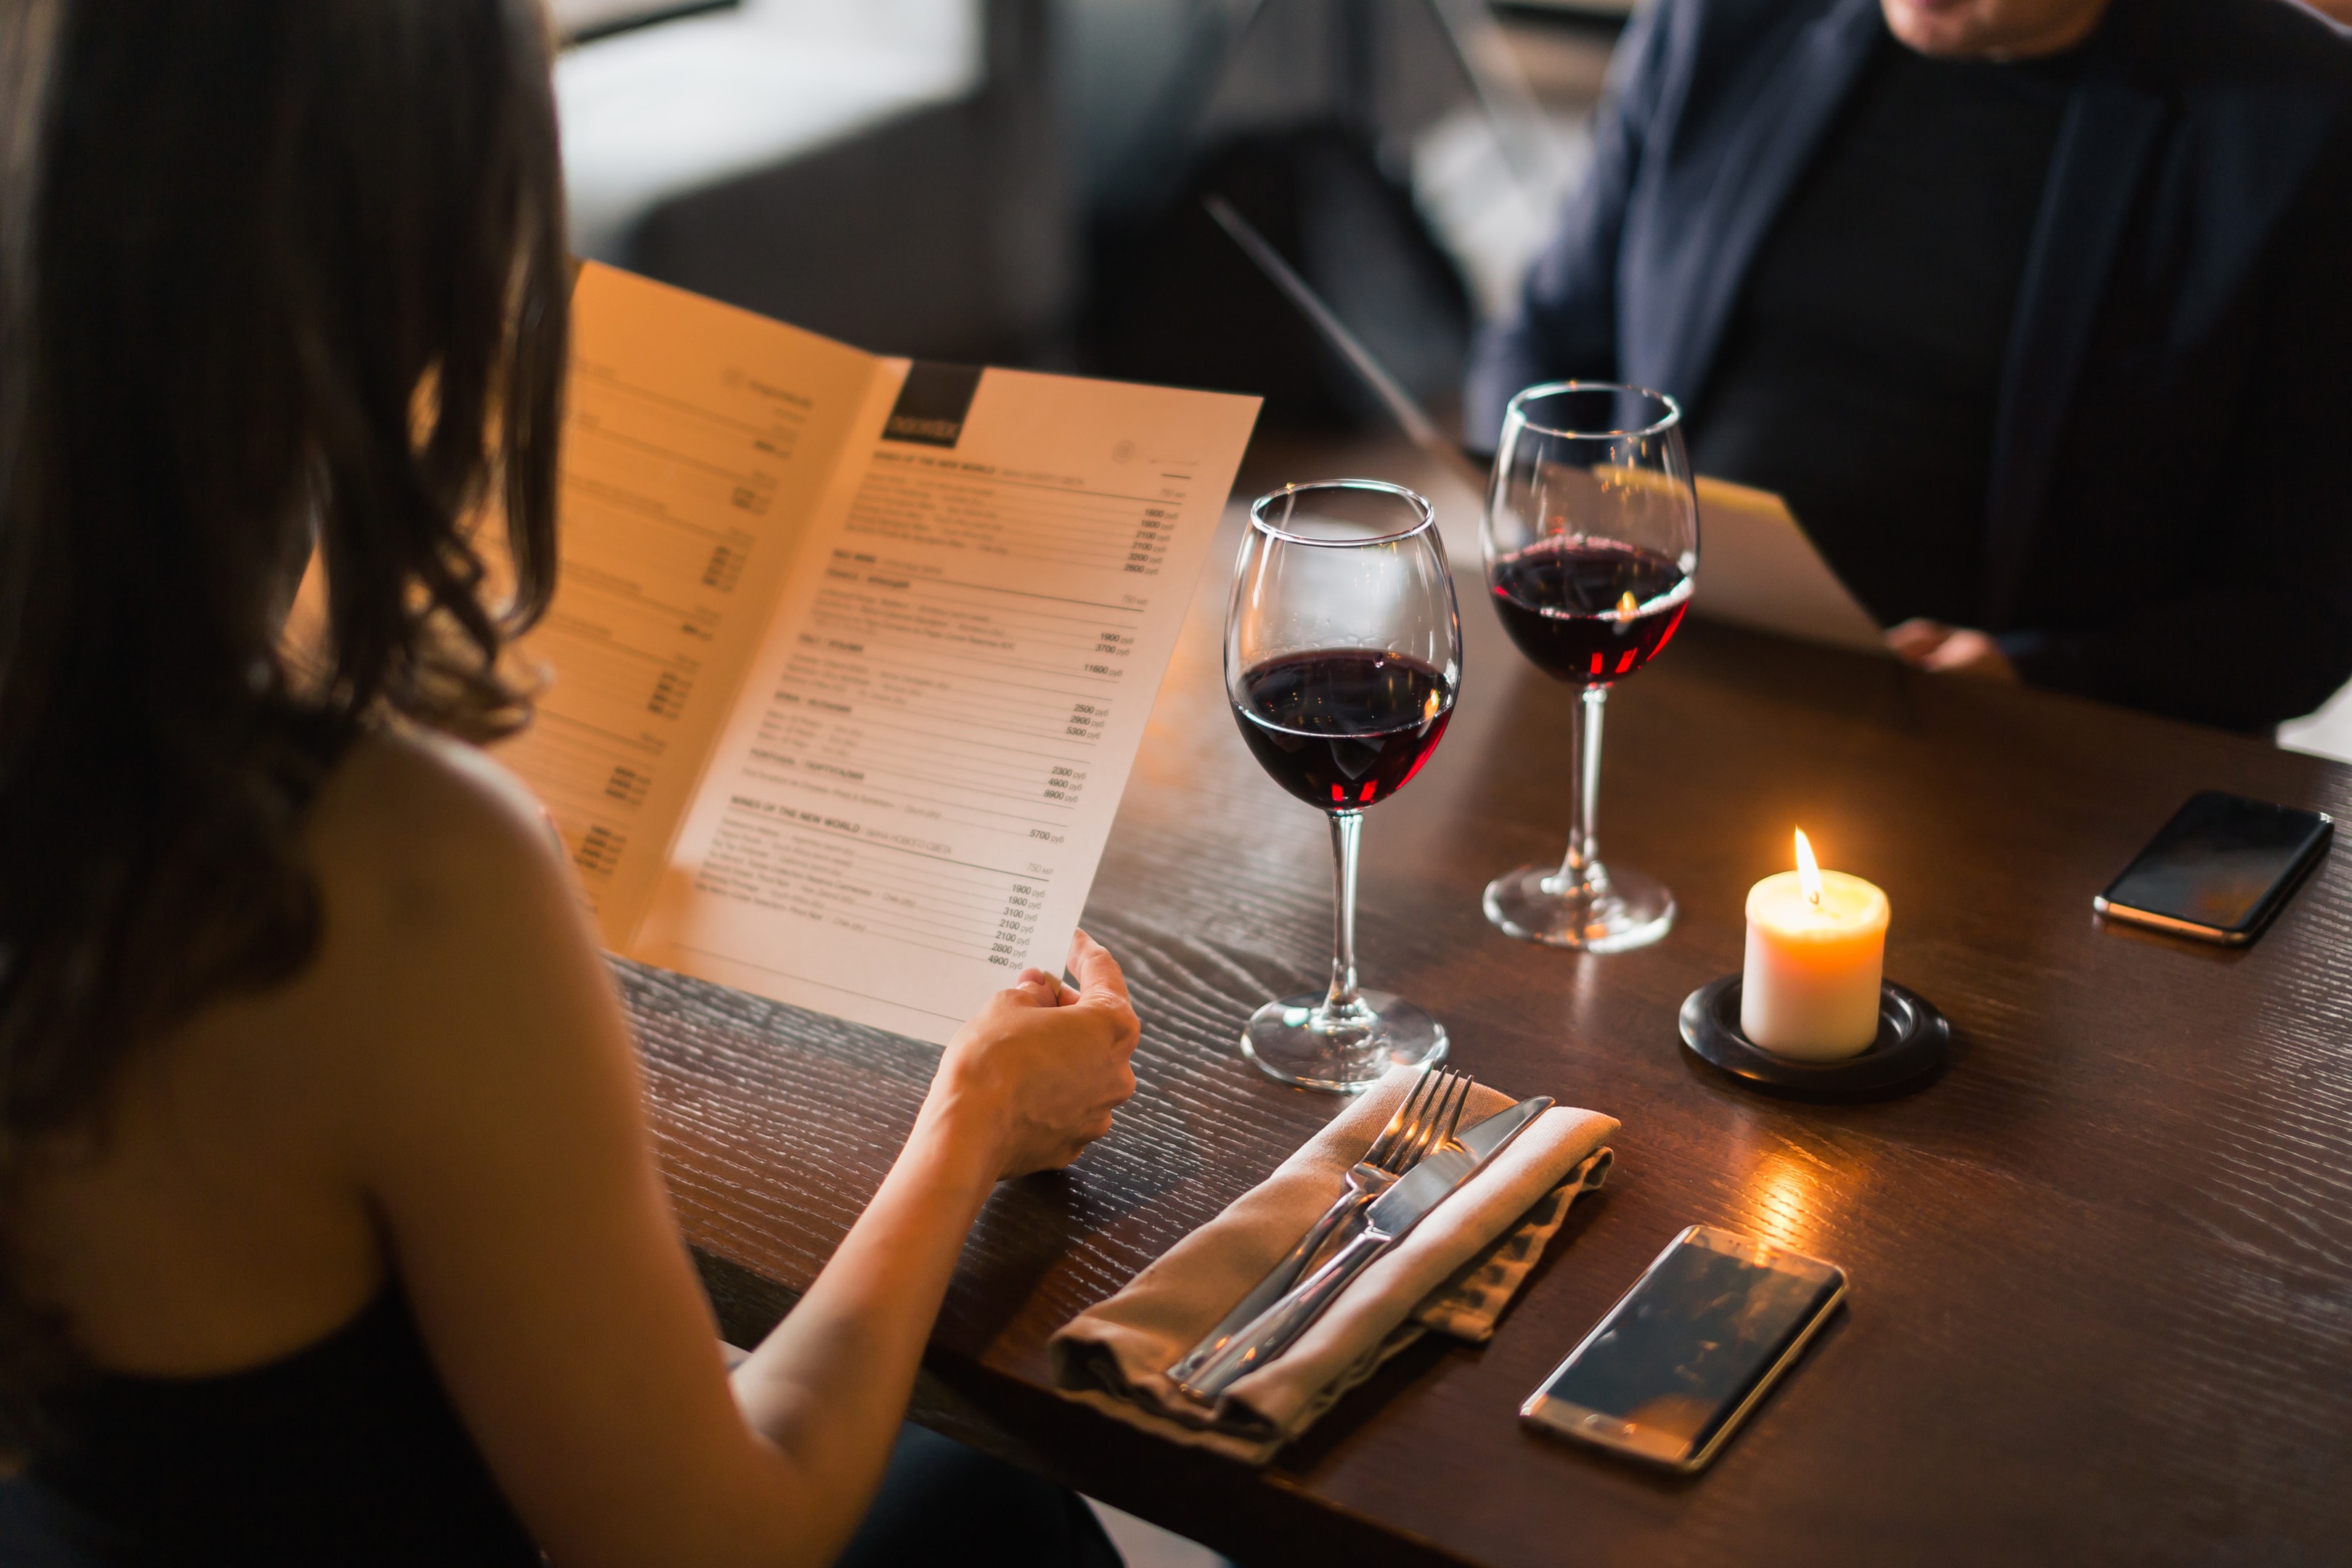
point(274, 274)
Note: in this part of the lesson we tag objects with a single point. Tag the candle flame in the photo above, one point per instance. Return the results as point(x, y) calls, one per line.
point(1808, 873)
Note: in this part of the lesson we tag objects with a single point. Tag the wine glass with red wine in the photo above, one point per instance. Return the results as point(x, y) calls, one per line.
point(1343, 651)
point(1592, 542)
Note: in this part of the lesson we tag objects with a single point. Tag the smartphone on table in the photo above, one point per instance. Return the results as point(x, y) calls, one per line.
point(2220, 870)
point(1683, 1357)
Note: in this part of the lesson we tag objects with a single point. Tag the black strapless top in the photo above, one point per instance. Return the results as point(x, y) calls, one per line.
point(347, 1452)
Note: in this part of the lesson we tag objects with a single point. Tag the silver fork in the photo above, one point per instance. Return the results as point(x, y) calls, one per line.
point(1288, 1319)
point(1419, 1125)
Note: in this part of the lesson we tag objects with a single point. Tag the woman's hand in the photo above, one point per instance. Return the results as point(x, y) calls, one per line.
point(1950, 650)
point(1038, 1070)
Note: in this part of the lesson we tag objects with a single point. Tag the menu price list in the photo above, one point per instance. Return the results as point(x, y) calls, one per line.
point(834, 871)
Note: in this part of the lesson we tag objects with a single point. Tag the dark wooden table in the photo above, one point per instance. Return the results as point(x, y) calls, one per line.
point(2102, 1269)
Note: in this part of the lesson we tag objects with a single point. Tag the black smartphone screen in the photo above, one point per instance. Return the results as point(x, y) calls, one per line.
point(1682, 1351)
point(2221, 861)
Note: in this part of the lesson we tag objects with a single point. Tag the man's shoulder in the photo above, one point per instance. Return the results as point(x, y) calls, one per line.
point(2199, 47)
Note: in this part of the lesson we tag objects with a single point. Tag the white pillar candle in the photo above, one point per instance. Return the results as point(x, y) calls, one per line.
point(1816, 946)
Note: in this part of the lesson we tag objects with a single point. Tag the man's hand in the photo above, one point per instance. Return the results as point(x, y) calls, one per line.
point(1950, 650)
point(1038, 1070)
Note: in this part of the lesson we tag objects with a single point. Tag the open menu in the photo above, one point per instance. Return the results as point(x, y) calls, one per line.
point(1759, 570)
point(851, 656)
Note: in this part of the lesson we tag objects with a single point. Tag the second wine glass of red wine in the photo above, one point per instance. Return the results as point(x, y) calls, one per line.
point(1590, 536)
point(1343, 652)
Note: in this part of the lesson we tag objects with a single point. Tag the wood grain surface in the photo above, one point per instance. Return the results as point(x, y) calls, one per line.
point(2102, 1266)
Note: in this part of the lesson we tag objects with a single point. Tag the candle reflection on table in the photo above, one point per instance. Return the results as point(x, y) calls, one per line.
point(1781, 1202)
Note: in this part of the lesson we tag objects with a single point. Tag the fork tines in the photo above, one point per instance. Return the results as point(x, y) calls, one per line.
point(1447, 1119)
point(1435, 1101)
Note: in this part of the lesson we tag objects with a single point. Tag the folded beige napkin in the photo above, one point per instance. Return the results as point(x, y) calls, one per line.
point(1455, 1273)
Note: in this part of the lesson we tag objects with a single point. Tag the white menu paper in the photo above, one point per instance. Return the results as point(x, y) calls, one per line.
point(852, 656)
point(1758, 569)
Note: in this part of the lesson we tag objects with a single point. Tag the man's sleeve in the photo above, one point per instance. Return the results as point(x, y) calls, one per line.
point(2265, 633)
point(1566, 320)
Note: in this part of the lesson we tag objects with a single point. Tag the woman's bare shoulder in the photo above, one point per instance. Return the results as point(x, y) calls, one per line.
point(415, 832)
point(237, 1192)
point(454, 951)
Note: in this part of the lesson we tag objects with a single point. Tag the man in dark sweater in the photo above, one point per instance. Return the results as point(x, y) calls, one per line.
point(2039, 313)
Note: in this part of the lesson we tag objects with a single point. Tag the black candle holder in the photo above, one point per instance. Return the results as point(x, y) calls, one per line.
point(1913, 1041)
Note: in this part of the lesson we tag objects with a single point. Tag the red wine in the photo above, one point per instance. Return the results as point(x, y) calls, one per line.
point(1341, 728)
point(1590, 610)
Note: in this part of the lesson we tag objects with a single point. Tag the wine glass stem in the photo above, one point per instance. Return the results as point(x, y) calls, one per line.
point(1583, 838)
point(1346, 832)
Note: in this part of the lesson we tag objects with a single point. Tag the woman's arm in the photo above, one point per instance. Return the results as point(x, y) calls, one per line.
point(495, 1121)
point(1025, 1086)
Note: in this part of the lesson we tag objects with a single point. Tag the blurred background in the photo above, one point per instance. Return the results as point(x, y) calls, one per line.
point(1019, 181)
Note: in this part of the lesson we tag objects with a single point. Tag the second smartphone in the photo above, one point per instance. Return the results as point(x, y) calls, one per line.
point(2220, 870)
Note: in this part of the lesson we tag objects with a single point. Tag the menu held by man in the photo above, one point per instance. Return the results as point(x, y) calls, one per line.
point(850, 656)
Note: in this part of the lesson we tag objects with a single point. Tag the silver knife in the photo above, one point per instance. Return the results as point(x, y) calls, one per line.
point(1391, 1215)
point(1365, 1183)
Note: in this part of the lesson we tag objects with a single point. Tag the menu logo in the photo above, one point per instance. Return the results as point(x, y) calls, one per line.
point(931, 406)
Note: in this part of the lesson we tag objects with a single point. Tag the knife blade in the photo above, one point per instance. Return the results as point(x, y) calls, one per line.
point(1441, 1170)
point(1391, 1216)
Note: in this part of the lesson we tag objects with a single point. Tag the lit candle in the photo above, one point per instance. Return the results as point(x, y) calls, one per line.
point(1816, 944)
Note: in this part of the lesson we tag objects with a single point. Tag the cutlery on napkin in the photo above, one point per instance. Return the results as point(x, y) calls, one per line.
point(1413, 1197)
point(1426, 1119)
point(1455, 1273)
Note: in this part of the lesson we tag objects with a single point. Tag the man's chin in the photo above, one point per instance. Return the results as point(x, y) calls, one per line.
point(1943, 28)
point(1989, 29)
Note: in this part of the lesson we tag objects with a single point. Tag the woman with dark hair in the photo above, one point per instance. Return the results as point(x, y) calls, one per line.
point(330, 1225)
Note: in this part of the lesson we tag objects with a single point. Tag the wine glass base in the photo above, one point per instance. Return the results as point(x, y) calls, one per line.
point(1632, 910)
point(1287, 1043)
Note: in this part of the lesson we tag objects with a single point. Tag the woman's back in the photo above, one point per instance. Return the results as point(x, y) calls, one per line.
point(279, 279)
point(259, 1385)
point(328, 1207)
point(219, 1216)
